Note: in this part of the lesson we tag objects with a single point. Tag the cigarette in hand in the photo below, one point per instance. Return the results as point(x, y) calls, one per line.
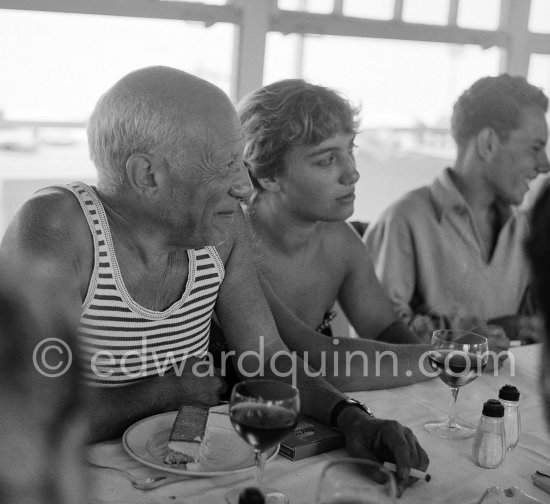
point(415, 473)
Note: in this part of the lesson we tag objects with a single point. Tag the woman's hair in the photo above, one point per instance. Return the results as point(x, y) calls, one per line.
point(494, 102)
point(286, 113)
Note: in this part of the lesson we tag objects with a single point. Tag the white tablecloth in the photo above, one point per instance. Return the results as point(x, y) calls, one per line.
point(455, 477)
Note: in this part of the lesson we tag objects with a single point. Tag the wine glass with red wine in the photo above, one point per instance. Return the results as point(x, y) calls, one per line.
point(263, 412)
point(459, 357)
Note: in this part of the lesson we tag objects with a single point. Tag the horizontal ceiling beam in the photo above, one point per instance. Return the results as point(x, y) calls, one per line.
point(539, 43)
point(282, 21)
point(320, 24)
point(187, 11)
point(9, 124)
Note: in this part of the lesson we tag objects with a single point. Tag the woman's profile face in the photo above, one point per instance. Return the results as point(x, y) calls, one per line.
point(317, 182)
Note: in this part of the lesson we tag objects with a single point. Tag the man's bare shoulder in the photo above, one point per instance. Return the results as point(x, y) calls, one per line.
point(52, 215)
point(61, 203)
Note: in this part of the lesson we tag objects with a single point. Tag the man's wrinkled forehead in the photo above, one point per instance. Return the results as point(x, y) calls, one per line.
point(221, 144)
point(219, 124)
point(210, 114)
point(214, 141)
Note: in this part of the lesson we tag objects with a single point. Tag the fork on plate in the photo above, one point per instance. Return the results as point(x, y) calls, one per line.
point(147, 483)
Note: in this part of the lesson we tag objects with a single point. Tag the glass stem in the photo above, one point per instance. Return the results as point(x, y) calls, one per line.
point(260, 463)
point(452, 412)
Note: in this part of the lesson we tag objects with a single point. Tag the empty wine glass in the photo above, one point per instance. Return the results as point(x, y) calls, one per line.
point(459, 357)
point(355, 481)
point(263, 412)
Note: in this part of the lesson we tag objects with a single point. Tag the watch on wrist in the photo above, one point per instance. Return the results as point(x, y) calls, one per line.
point(346, 403)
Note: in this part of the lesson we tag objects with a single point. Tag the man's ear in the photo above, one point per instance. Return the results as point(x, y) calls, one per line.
point(141, 173)
point(487, 144)
point(269, 184)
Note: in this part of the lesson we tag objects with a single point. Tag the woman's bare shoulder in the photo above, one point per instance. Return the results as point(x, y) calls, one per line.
point(344, 247)
point(340, 236)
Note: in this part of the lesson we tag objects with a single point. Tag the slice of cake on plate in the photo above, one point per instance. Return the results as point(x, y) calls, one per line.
point(188, 433)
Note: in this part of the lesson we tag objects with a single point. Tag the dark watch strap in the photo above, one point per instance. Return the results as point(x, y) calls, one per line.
point(346, 403)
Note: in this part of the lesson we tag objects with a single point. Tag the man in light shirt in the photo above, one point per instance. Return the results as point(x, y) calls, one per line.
point(451, 254)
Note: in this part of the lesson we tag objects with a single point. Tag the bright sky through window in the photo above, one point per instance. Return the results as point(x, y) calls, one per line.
point(60, 77)
point(539, 19)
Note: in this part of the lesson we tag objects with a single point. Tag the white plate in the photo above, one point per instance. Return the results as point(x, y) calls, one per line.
point(147, 441)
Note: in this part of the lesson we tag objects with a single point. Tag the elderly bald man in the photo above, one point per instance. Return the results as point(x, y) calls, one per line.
point(149, 253)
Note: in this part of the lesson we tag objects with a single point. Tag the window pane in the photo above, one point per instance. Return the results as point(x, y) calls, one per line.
point(317, 6)
point(484, 15)
point(539, 75)
point(60, 77)
point(426, 11)
point(375, 9)
point(282, 56)
point(539, 71)
point(406, 90)
point(539, 18)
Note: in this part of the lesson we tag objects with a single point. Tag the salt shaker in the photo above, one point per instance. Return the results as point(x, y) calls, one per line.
point(509, 397)
point(489, 447)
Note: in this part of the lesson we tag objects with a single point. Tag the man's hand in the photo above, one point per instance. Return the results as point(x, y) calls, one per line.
point(193, 387)
point(497, 342)
point(526, 328)
point(115, 409)
point(383, 440)
point(530, 329)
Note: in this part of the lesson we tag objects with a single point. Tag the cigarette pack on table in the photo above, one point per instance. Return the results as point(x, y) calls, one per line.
point(309, 438)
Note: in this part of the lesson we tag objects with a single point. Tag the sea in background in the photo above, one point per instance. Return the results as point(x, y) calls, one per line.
point(390, 162)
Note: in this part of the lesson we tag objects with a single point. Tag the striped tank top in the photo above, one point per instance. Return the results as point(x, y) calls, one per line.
point(119, 341)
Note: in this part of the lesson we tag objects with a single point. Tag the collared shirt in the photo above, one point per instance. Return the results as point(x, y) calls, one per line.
point(428, 256)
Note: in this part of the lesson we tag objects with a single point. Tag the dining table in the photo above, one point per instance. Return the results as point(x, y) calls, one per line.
point(455, 478)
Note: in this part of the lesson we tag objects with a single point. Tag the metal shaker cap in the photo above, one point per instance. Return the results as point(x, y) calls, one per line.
point(509, 393)
point(493, 408)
